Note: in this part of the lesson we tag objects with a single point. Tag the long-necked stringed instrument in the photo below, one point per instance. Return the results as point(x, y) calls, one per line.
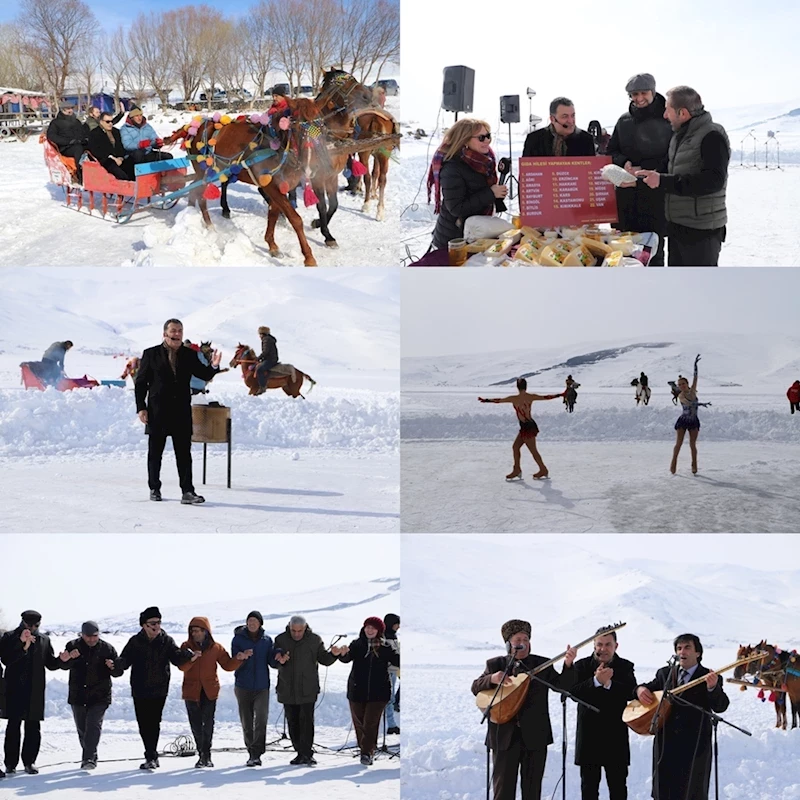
point(639, 717)
point(509, 699)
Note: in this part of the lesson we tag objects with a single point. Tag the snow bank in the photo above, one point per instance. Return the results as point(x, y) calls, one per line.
point(103, 421)
point(609, 424)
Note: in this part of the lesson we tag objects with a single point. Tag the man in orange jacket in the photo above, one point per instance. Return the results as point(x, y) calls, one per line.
point(201, 684)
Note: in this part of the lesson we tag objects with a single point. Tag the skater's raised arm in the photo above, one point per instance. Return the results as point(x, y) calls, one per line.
point(510, 399)
point(694, 381)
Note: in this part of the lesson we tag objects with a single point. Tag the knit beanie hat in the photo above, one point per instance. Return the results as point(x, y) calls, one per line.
point(257, 615)
point(515, 626)
point(147, 613)
point(134, 111)
point(377, 623)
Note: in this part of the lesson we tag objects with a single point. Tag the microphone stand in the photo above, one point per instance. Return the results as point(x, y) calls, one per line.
point(564, 695)
point(715, 720)
point(509, 664)
point(672, 676)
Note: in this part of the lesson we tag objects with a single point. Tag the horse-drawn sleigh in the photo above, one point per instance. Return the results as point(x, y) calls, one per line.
point(308, 143)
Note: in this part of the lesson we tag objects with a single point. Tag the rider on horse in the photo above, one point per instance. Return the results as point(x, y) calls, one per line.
point(268, 358)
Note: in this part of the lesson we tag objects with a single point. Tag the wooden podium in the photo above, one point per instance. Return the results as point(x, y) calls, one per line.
point(212, 424)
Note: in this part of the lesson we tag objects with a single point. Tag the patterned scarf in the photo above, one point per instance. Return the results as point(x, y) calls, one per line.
point(482, 164)
point(559, 143)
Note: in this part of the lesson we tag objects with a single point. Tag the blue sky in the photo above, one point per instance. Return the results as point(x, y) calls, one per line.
point(442, 308)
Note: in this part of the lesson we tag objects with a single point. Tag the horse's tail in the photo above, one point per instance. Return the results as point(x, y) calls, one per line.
point(311, 381)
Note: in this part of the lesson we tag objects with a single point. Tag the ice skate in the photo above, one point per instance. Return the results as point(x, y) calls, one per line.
point(514, 474)
point(541, 475)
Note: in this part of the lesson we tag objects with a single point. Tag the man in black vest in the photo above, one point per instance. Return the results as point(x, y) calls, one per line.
point(641, 141)
point(520, 745)
point(695, 182)
point(91, 666)
point(607, 682)
point(561, 138)
point(682, 748)
point(26, 653)
point(164, 405)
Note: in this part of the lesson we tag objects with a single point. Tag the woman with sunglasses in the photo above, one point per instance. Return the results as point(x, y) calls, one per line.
point(463, 175)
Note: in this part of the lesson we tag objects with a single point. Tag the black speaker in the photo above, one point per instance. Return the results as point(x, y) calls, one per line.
point(509, 108)
point(459, 83)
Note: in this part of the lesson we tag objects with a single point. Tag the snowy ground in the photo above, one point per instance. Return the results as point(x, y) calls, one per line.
point(36, 229)
point(763, 205)
point(608, 462)
point(458, 590)
point(330, 462)
point(338, 775)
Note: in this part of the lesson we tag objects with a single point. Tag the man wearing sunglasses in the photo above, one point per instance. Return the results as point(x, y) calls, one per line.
point(91, 664)
point(562, 138)
point(149, 654)
point(26, 653)
point(105, 144)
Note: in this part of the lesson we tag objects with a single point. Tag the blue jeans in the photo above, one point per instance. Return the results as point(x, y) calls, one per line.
point(390, 721)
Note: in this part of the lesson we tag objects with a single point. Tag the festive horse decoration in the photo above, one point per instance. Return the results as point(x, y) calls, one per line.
point(642, 392)
point(779, 669)
point(291, 383)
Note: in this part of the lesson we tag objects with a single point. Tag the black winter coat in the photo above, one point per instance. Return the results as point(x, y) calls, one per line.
point(269, 350)
point(465, 193)
point(533, 718)
point(66, 130)
point(298, 678)
point(25, 681)
point(540, 144)
point(603, 738)
point(101, 148)
point(369, 675)
point(149, 661)
point(89, 677)
point(642, 136)
point(165, 394)
point(2, 693)
point(684, 730)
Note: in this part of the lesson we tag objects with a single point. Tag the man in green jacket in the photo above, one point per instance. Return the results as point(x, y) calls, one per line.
point(299, 652)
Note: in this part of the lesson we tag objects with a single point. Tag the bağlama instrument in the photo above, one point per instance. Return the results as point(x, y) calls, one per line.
point(509, 699)
point(639, 717)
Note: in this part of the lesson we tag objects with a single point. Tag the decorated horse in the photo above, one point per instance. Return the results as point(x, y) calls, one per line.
point(779, 670)
point(281, 376)
point(274, 152)
point(367, 124)
point(675, 392)
point(642, 392)
point(205, 352)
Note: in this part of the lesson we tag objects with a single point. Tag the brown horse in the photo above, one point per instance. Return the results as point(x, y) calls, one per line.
point(370, 123)
point(778, 669)
point(245, 357)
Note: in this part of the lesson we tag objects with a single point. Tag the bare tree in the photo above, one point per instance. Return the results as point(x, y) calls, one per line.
point(17, 69)
point(233, 66)
point(192, 34)
point(287, 23)
point(87, 63)
point(153, 49)
point(53, 32)
point(382, 37)
point(117, 58)
point(322, 30)
point(259, 45)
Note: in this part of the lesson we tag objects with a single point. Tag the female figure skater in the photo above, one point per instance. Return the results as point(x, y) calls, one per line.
point(688, 420)
point(528, 428)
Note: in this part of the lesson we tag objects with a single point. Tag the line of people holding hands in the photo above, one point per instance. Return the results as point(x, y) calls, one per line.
point(295, 654)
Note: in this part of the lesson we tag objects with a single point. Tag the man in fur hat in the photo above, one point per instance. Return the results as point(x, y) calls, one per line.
point(520, 745)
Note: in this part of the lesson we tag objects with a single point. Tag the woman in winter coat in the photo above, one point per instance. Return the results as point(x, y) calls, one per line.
point(368, 687)
point(140, 139)
point(463, 175)
point(201, 684)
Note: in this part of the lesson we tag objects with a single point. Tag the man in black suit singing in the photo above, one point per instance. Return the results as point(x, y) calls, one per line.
point(607, 682)
point(164, 405)
point(682, 748)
